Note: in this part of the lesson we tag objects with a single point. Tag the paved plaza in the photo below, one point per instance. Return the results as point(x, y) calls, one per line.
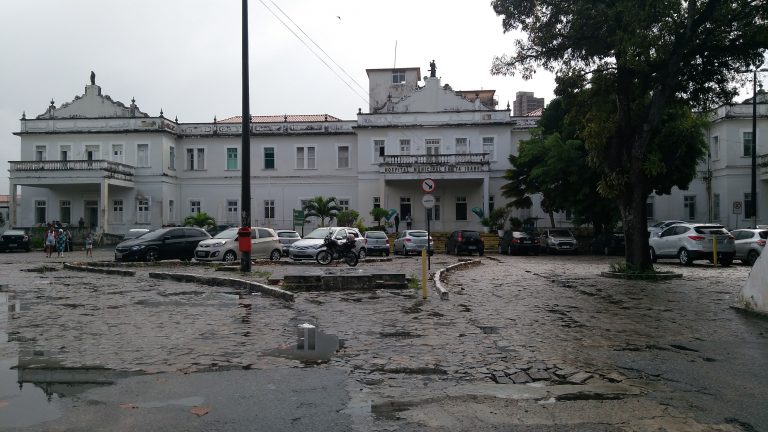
point(522, 343)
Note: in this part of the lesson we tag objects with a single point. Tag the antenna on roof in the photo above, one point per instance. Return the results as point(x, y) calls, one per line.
point(395, 63)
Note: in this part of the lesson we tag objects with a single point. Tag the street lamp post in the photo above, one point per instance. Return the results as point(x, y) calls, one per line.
point(753, 189)
point(245, 196)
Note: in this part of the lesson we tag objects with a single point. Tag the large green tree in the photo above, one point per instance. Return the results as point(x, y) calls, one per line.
point(322, 208)
point(641, 67)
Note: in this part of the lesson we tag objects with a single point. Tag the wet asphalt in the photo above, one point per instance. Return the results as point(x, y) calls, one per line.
point(101, 352)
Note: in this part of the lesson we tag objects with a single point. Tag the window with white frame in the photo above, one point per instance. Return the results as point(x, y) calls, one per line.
point(64, 152)
point(432, 146)
point(65, 211)
point(714, 150)
point(434, 212)
point(305, 157)
point(461, 208)
point(649, 207)
point(269, 158)
point(117, 211)
point(194, 207)
point(118, 153)
point(40, 153)
point(142, 155)
point(172, 158)
point(171, 210)
point(489, 146)
point(233, 211)
point(716, 207)
point(343, 204)
point(195, 159)
point(689, 207)
point(746, 144)
point(376, 202)
point(378, 150)
point(269, 209)
point(343, 156)
point(142, 211)
point(462, 146)
point(232, 158)
point(41, 215)
point(405, 146)
point(398, 76)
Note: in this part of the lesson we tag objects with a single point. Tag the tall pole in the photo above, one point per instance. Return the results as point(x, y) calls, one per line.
point(754, 150)
point(245, 197)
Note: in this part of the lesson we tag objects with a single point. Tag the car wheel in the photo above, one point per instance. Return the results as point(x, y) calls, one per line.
point(752, 257)
point(386, 252)
point(150, 256)
point(684, 256)
point(229, 256)
point(362, 253)
point(481, 252)
point(275, 255)
point(509, 250)
point(726, 261)
point(404, 251)
point(654, 258)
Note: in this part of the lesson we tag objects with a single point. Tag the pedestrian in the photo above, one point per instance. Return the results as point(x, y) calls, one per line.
point(81, 223)
point(397, 222)
point(68, 233)
point(61, 243)
point(408, 221)
point(50, 241)
point(89, 245)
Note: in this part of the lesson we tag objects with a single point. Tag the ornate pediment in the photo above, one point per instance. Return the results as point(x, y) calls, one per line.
point(433, 98)
point(92, 104)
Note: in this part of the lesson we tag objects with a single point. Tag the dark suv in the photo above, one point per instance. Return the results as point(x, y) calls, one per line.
point(162, 244)
point(464, 241)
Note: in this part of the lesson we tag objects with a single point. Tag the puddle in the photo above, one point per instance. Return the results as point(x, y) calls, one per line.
point(312, 346)
point(20, 405)
point(186, 402)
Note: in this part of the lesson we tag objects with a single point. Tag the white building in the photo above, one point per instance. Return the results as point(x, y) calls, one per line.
point(117, 167)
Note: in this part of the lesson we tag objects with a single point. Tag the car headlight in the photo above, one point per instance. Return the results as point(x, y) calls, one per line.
point(218, 243)
point(137, 247)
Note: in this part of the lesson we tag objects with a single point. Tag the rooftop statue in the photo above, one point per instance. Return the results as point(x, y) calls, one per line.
point(432, 69)
point(93, 78)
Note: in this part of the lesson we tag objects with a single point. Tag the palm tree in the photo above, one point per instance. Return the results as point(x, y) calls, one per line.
point(322, 208)
point(201, 220)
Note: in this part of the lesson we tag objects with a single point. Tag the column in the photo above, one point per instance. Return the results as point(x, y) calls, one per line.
point(104, 206)
point(12, 206)
point(486, 194)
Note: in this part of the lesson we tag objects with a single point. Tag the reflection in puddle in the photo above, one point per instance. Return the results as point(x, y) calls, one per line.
point(186, 402)
point(312, 346)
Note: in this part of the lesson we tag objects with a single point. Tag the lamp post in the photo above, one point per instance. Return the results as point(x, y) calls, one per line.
point(245, 196)
point(752, 210)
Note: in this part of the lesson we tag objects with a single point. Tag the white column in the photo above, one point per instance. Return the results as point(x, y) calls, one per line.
point(12, 206)
point(486, 194)
point(104, 206)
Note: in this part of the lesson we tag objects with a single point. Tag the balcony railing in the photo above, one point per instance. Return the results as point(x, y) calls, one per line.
point(441, 163)
point(109, 169)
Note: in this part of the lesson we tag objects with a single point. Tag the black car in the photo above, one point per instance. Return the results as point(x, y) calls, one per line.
point(162, 244)
point(518, 242)
point(464, 241)
point(608, 244)
point(14, 239)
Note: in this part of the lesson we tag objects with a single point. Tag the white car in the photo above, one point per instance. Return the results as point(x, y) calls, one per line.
point(224, 246)
point(689, 242)
point(658, 227)
point(308, 247)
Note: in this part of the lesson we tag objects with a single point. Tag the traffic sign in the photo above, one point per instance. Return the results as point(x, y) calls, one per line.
point(737, 207)
point(428, 201)
point(428, 185)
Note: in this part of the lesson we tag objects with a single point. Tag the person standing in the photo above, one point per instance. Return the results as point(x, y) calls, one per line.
point(61, 243)
point(89, 245)
point(68, 234)
point(397, 222)
point(50, 241)
point(81, 223)
point(408, 221)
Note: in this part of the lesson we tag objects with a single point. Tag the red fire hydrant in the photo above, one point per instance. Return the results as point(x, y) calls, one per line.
point(244, 239)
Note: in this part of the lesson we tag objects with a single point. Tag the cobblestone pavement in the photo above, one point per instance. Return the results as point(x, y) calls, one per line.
point(522, 341)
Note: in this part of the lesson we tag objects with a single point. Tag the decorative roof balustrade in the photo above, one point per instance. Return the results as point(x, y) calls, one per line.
point(441, 163)
point(109, 169)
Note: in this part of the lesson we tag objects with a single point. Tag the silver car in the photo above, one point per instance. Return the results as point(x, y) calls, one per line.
point(690, 242)
point(287, 238)
point(376, 242)
point(558, 240)
point(312, 243)
point(224, 246)
point(658, 227)
point(412, 241)
point(749, 244)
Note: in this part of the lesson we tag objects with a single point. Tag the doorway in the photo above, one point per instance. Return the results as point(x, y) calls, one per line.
point(91, 214)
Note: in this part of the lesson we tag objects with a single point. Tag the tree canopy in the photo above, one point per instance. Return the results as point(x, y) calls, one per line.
point(202, 220)
point(322, 208)
point(639, 68)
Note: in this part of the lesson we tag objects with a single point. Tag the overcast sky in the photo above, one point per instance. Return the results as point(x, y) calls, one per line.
point(183, 56)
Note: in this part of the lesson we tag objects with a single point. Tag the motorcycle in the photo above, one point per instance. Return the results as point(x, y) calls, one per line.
point(334, 250)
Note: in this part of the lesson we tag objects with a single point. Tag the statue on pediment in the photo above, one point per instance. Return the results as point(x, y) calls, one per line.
point(432, 69)
point(93, 78)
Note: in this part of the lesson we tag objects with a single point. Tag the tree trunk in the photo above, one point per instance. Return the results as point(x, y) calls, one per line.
point(552, 219)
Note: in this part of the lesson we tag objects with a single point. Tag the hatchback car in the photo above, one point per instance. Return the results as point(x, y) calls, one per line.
point(376, 242)
point(312, 243)
point(518, 242)
point(413, 241)
point(287, 238)
point(14, 239)
point(690, 242)
point(749, 244)
point(162, 244)
point(224, 246)
point(464, 241)
point(558, 240)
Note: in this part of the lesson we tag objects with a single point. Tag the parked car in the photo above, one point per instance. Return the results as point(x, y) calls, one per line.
point(287, 238)
point(225, 246)
point(376, 242)
point(213, 230)
point(413, 241)
point(312, 243)
point(658, 227)
point(135, 232)
point(690, 242)
point(162, 244)
point(464, 241)
point(611, 243)
point(749, 244)
point(558, 240)
point(14, 239)
point(518, 242)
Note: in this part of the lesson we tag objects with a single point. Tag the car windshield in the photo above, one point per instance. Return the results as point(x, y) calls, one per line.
point(417, 233)
point(288, 234)
point(319, 233)
point(560, 233)
point(13, 232)
point(375, 235)
point(470, 234)
point(154, 235)
point(228, 234)
point(711, 229)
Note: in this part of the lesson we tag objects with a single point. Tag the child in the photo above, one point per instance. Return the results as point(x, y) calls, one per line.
point(89, 245)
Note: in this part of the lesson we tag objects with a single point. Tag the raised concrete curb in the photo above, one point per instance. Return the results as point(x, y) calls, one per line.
point(439, 275)
point(649, 276)
point(222, 281)
point(98, 269)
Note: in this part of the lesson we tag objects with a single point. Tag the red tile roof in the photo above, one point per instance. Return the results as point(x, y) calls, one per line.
point(284, 118)
point(536, 113)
